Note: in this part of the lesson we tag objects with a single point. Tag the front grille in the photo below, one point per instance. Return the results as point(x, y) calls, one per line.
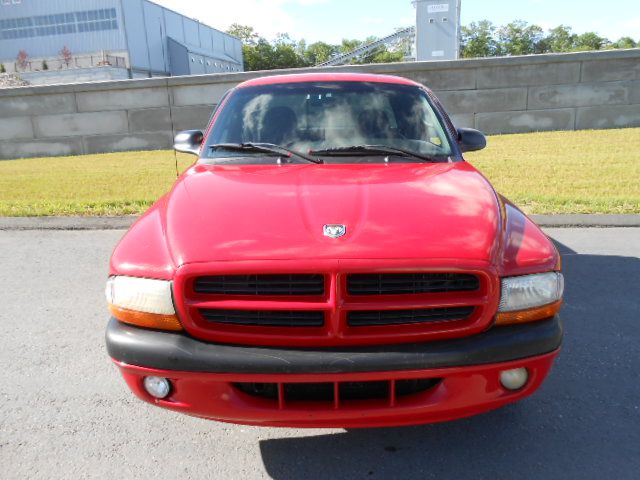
point(340, 304)
point(408, 283)
point(346, 391)
point(399, 317)
point(265, 318)
point(294, 284)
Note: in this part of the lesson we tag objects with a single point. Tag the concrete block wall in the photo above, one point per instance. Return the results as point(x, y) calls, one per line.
point(497, 95)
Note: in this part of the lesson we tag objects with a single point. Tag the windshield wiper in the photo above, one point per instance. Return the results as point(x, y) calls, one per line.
point(263, 147)
point(366, 149)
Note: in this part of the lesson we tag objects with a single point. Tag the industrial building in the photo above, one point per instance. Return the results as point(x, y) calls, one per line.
point(436, 34)
point(133, 38)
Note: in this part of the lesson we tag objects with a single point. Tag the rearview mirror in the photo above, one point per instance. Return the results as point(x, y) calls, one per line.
point(471, 140)
point(188, 141)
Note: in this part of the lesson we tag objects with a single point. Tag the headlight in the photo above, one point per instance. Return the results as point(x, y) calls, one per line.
point(143, 302)
point(530, 297)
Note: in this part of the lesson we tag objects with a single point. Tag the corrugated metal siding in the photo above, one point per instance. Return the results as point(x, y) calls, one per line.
point(49, 45)
point(156, 34)
point(191, 32)
point(179, 58)
point(136, 36)
point(142, 28)
point(173, 23)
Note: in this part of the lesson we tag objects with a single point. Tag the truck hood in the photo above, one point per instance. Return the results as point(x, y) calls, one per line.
point(253, 212)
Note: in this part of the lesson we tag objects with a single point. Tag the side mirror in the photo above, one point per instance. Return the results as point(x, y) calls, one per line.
point(471, 140)
point(188, 141)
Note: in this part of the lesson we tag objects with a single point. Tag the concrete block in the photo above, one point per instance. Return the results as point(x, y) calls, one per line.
point(132, 141)
point(97, 123)
point(450, 79)
point(527, 121)
point(463, 120)
point(611, 70)
point(634, 95)
point(16, 128)
point(25, 104)
point(523, 75)
point(578, 95)
point(55, 147)
point(494, 100)
point(122, 99)
point(618, 116)
point(149, 120)
point(191, 118)
point(199, 94)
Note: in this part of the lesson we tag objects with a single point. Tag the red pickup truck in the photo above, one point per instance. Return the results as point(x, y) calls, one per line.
point(330, 260)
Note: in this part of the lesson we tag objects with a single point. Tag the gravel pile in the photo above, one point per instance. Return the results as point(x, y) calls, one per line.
point(8, 80)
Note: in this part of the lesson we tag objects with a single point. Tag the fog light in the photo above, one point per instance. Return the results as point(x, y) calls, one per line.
point(514, 379)
point(157, 386)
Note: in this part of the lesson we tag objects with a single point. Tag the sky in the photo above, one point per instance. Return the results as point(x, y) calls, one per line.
point(332, 20)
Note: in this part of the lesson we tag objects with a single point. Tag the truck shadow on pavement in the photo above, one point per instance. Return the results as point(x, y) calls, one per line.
point(583, 423)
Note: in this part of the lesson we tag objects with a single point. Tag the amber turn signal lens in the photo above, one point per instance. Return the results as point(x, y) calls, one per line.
point(146, 320)
point(528, 315)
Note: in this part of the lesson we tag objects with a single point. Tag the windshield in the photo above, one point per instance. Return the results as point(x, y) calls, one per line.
point(322, 117)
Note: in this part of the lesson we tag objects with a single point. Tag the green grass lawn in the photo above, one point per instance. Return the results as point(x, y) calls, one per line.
point(106, 184)
point(589, 171)
point(555, 172)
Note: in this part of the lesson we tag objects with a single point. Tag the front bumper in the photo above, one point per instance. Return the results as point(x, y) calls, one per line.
point(204, 376)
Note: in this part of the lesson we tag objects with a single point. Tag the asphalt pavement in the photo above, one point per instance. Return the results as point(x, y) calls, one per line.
point(66, 413)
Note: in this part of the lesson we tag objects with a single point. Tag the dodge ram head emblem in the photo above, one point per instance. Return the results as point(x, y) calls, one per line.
point(334, 230)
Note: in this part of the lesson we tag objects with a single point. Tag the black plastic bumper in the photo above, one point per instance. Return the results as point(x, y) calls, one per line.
point(173, 351)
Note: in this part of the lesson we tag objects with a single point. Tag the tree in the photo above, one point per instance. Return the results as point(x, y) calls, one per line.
point(265, 56)
point(285, 52)
point(301, 47)
point(590, 41)
point(403, 45)
point(66, 56)
point(478, 40)
point(384, 55)
point(560, 39)
point(319, 52)
point(285, 56)
point(347, 45)
point(519, 38)
point(259, 54)
point(22, 60)
point(45, 65)
point(625, 42)
point(380, 54)
point(2, 68)
point(245, 33)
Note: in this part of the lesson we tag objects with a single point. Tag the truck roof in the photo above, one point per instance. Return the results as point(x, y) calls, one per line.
point(326, 77)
